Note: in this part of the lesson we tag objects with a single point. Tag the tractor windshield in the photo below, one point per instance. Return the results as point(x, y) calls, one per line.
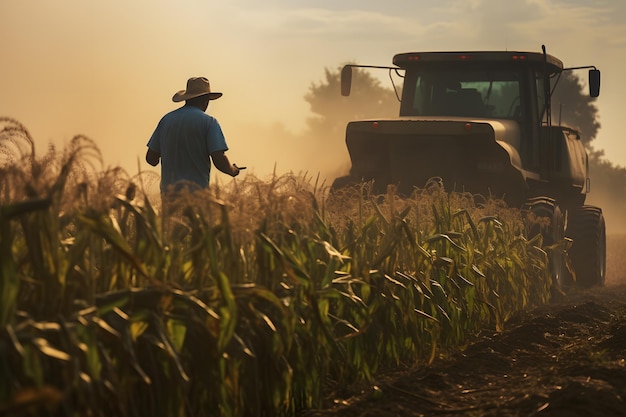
point(466, 92)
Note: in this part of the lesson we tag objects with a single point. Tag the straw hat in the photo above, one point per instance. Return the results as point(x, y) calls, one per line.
point(196, 87)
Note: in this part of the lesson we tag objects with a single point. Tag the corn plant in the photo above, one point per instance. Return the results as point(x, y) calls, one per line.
point(252, 299)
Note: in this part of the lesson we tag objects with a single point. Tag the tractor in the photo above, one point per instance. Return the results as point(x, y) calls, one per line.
point(481, 122)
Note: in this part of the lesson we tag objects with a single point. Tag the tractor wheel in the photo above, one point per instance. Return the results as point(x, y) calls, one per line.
point(588, 252)
point(543, 216)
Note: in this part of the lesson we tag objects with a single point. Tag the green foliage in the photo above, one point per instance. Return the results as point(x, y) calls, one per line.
point(110, 307)
point(332, 111)
point(572, 106)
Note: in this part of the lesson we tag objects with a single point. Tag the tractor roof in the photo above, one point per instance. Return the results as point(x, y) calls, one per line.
point(411, 59)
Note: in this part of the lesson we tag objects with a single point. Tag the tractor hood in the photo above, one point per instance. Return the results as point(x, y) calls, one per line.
point(475, 155)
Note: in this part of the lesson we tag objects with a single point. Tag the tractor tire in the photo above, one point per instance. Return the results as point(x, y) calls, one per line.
point(548, 220)
point(587, 229)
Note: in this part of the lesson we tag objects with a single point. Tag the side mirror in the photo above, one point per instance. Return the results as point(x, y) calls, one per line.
point(346, 80)
point(594, 82)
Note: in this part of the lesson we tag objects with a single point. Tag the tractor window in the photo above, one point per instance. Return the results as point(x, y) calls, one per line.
point(475, 93)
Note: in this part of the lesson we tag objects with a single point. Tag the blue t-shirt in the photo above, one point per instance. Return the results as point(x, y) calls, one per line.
point(185, 138)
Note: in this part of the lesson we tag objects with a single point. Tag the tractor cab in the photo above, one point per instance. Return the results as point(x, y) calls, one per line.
point(494, 85)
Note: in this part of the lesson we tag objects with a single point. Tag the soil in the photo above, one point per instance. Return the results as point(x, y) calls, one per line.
point(563, 359)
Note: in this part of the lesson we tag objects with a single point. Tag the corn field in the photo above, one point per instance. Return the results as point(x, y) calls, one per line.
point(252, 299)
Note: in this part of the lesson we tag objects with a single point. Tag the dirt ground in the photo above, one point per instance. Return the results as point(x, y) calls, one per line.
point(565, 359)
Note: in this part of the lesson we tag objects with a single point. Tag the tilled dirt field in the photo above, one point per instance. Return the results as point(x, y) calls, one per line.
point(565, 359)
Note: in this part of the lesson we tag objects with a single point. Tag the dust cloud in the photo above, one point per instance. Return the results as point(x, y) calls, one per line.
point(274, 150)
point(616, 259)
point(613, 207)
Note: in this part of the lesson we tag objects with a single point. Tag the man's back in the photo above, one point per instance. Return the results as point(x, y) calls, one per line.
point(185, 138)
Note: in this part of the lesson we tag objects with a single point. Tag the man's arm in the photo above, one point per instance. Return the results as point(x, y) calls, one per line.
point(152, 157)
point(221, 162)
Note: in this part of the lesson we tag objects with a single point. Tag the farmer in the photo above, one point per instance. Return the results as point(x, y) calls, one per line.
point(187, 139)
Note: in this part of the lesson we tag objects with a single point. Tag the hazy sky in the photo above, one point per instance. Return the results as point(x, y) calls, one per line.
point(108, 69)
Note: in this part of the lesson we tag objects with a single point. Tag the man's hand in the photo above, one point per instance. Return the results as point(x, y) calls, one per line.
point(237, 170)
point(153, 157)
point(221, 162)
